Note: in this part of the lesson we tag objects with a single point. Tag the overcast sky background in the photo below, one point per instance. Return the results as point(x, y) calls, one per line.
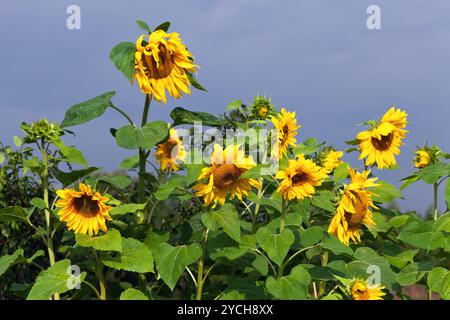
point(314, 57)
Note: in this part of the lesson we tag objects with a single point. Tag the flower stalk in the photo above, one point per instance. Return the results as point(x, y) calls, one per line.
point(143, 154)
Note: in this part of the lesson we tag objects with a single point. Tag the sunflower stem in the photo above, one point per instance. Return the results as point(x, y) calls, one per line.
point(45, 190)
point(143, 154)
point(283, 215)
point(101, 278)
point(200, 265)
point(435, 201)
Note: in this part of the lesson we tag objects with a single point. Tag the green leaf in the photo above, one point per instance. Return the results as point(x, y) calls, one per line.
point(143, 25)
point(310, 236)
point(435, 279)
point(171, 261)
point(430, 174)
point(16, 213)
point(123, 57)
point(227, 218)
point(447, 193)
point(130, 137)
point(73, 155)
point(419, 233)
point(164, 190)
point(232, 295)
point(257, 172)
point(183, 116)
point(8, 260)
point(110, 241)
point(163, 26)
point(120, 182)
point(276, 245)
point(130, 162)
point(135, 257)
point(133, 294)
point(56, 279)
point(67, 178)
point(193, 171)
point(402, 259)
point(194, 82)
point(409, 275)
point(126, 208)
point(385, 192)
point(324, 200)
point(291, 287)
point(309, 146)
point(88, 110)
point(340, 172)
point(17, 141)
point(234, 105)
point(38, 203)
point(409, 181)
point(334, 245)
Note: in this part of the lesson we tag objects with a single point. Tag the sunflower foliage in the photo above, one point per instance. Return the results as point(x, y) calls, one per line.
point(189, 215)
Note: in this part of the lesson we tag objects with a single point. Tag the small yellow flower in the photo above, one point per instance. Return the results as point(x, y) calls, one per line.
point(299, 179)
point(170, 153)
point(382, 143)
point(286, 125)
point(353, 210)
point(331, 161)
point(223, 177)
point(162, 63)
point(361, 290)
point(84, 211)
point(422, 159)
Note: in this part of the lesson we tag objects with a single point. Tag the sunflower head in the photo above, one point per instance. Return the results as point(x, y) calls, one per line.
point(41, 129)
point(354, 208)
point(224, 176)
point(426, 156)
point(84, 211)
point(162, 63)
point(261, 108)
point(329, 159)
point(286, 126)
point(381, 143)
point(170, 153)
point(361, 290)
point(299, 179)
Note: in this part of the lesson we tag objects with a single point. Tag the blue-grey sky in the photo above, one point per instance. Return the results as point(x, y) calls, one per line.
point(314, 57)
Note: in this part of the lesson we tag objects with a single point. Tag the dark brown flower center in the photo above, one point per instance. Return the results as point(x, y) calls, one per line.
point(354, 220)
point(384, 143)
point(225, 175)
point(164, 67)
point(171, 149)
point(298, 178)
point(86, 206)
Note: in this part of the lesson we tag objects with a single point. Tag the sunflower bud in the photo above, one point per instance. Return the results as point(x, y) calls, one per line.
point(426, 156)
point(261, 108)
point(41, 129)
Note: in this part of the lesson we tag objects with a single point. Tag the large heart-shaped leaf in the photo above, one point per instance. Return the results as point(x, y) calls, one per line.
point(110, 241)
point(135, 257)
point(276, 245)
point(183, 116)
point(227, 218)
point(291, 287)
point(130, 137)
point(123, 57)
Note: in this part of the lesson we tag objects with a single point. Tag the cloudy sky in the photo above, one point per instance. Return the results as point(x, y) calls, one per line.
point(315, 57)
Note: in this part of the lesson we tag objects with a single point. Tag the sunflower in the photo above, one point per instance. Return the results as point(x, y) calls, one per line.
point(361, 290)
point(261, 107)
point(286, 125)
point(381, 143)
point(224, 176)
point(422, 159)
point(299, 179)
point(331, 161)
point(162, 62)
point(84, 211)
point(354, 208)
point(170, 153)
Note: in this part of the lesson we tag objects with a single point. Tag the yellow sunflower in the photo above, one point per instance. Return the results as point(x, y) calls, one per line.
point(299, 179)
point(84, 211)
point(286, 125)
point(331, 161)
point(381, 143)
point(162, 63)
point(223, 176)
point(361, 290)
point(170, 153)
point(422, 159)
point(353, 210)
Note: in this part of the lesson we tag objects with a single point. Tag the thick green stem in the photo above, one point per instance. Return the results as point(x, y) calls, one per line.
point(101, 278)
point(435, 200)
point(257, 206)
point(143, 154)
point(200, 265)
point(283, 215)
point(45, 190)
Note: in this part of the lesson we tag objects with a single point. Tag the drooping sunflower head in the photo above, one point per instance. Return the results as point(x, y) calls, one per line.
point(261, 108)
point(286, 126)
point(330, 159)
point(381, 143)
point(354, 208)
point(361, 290)
point(426, 156)
point(224, 176)
point(83, 211)
point(299, 179)
point(170, 153)
point(162, 63)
